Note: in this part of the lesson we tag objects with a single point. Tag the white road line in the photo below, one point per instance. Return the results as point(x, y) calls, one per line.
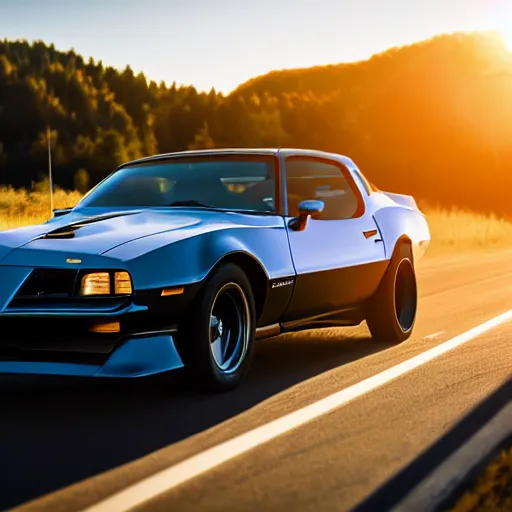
point(173, 476)
point(432, 336)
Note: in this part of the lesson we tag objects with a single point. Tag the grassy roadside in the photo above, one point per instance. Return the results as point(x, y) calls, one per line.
point(22, 208)
point(451, 230)
point(492, 489)
point(457, 230)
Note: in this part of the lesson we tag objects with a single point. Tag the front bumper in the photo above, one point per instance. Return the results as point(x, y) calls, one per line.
point(64, 343)
point(137, 356)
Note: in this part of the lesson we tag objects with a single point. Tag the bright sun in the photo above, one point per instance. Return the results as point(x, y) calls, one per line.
point(507, 38)
point(502, 21)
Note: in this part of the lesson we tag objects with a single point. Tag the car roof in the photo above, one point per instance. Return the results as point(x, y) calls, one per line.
point(285, 152)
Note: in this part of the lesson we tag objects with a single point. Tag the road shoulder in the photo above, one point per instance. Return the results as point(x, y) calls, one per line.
point(438, 478)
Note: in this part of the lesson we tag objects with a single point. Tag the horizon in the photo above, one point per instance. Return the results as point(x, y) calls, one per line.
point(394, 25)
point(226, 93)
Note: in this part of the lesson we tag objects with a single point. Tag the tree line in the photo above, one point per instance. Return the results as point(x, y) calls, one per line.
point(433, 119)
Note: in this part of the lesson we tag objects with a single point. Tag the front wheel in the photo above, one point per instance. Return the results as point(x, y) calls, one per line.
point(216, 339)
point(391, 312)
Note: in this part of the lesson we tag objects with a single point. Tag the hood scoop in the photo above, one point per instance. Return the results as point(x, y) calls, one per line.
point(64, 232)
point(68, 230)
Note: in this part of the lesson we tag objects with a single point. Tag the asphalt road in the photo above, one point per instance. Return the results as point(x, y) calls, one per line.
point(67, 443)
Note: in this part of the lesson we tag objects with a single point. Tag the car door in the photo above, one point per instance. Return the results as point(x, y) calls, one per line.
point(339, 257)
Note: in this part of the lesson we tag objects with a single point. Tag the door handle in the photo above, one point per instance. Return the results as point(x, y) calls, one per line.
point(369, 234)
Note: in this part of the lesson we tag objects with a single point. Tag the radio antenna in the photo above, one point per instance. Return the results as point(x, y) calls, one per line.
point(50, 178)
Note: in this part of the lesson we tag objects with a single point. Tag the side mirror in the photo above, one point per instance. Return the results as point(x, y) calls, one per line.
point(307, 208)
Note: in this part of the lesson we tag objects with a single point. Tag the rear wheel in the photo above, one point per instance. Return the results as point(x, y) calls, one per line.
point(216, 339)
point(391, 312)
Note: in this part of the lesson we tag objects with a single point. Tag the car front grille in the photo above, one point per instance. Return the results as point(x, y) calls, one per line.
point(48, 284)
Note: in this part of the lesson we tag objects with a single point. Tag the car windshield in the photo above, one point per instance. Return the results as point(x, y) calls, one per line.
point(220, 182)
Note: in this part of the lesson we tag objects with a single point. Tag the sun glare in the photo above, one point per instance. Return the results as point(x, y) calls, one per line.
point(503, 23)
point(507, 38)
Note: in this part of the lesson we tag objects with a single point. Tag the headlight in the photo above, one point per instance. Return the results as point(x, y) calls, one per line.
point(95, 284)
point(100, 283)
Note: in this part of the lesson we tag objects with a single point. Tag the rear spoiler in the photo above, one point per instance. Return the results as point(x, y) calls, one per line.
point(402, 200)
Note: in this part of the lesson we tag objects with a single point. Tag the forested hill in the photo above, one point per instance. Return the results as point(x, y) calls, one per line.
point(432, 119)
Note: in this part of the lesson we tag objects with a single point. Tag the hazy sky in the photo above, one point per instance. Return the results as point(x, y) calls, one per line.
point(222, 43)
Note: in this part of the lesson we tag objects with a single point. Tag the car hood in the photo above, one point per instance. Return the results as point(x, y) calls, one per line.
point(78, 233)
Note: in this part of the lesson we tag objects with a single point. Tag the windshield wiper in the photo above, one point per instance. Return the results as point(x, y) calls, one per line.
point(200, 204)
point(191, 202)
point(254, 212)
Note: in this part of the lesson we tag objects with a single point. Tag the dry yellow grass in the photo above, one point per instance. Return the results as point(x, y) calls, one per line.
point(450, 229)
point(22, 208)
point(456, 229)
point(492, 490)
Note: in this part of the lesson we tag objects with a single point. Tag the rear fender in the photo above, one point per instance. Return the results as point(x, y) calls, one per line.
point(397, 222)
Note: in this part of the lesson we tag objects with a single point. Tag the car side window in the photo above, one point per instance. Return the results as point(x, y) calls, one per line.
point(311, 178)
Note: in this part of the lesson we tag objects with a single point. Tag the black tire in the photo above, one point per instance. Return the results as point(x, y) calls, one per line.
point(391, 312)
point(216, 339)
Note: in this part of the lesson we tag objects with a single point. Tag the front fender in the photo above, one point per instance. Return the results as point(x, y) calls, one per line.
point(161, 261)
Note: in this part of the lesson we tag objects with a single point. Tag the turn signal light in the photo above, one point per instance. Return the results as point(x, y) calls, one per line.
point(122, 283)
point(106, 328)
point(167, 292)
